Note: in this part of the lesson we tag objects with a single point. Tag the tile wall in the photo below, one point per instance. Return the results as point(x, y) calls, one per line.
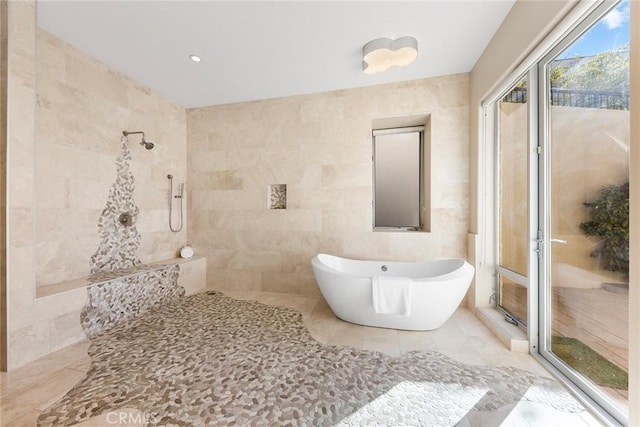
point(63, 140)
point(82, 108)
point(320, 147)
point(64, 137)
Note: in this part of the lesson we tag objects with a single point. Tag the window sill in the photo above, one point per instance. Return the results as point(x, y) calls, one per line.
point(399, 230)
point(513, 337)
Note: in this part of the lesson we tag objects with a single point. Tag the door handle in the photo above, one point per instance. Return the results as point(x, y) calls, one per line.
point(562, 242)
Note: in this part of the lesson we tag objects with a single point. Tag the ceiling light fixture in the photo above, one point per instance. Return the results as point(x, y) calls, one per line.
point(381, 54)
point(195, 58)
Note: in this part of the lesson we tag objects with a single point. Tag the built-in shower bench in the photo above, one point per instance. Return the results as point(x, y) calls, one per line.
point(192, 276)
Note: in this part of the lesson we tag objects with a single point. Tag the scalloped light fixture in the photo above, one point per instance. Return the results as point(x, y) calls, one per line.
point(381, 54)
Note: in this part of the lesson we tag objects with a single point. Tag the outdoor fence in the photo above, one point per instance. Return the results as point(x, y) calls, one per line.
point(605, 100)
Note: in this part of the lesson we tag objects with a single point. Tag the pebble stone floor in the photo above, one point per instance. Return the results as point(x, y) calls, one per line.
point(213, 360)
point(209, 359)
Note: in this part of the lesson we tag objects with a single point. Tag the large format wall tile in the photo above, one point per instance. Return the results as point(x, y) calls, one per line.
point(82, 108)
point(320, 146)
point(67, 112)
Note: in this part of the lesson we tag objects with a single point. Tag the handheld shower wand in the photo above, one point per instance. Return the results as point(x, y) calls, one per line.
point(171, 197)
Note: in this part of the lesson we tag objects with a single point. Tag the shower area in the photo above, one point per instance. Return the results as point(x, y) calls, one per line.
point(102, 198)
point(80, 156)
point(119, 285)
point(87, 200)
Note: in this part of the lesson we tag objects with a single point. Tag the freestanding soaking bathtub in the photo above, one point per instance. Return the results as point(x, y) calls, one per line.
point(432, 290)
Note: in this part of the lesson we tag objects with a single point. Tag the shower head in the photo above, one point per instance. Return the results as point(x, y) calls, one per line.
point(146, 144)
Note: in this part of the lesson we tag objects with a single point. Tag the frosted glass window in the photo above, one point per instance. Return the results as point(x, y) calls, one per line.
point(398, 179)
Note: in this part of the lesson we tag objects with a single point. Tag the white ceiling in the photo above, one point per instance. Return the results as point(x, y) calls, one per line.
point(266, 49)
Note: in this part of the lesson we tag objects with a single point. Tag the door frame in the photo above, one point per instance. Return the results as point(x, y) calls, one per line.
point(543, 242)
point(530, 281)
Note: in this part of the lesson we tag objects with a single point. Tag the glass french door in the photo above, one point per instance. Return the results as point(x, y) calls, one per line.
point(584, 207)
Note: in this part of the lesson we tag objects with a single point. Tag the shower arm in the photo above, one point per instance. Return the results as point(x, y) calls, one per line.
point(143, 141)
point(146, 144)
point(137, 132)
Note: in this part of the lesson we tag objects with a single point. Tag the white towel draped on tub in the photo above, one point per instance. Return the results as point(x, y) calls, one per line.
point(391, 295)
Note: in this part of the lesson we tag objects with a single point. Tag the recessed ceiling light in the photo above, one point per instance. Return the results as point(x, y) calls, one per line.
point(195, 58)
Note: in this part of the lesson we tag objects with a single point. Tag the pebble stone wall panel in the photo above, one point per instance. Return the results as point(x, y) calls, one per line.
point(119, 242)
point(118, 301)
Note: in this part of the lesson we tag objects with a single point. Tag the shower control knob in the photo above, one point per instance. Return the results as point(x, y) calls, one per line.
point(126, 219)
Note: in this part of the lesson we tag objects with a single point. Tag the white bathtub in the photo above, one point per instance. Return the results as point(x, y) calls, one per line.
point(437, 288)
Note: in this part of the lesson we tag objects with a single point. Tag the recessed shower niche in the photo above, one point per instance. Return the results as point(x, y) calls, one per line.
point(277, 196)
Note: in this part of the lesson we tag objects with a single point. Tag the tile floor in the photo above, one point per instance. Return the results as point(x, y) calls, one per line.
point(30, 389)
